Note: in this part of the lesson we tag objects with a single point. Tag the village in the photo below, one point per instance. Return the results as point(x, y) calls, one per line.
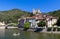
point(37, 22)
point(49, 22)
point(29, 19)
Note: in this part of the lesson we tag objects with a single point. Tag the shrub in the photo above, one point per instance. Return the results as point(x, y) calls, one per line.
point(12, 24)
point(58, 22)
point(27, 25)
point(41, 24)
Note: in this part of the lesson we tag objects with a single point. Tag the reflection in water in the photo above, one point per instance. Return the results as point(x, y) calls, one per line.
point(16, 34)
point(8, 34)
point(2, 33)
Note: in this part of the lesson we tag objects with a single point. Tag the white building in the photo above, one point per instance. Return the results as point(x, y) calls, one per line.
point(51, 20)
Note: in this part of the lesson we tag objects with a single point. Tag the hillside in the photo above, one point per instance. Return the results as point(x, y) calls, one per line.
point(54, 13)
point(13, 15)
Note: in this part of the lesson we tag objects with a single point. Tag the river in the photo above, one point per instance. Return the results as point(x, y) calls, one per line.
point(8, 34)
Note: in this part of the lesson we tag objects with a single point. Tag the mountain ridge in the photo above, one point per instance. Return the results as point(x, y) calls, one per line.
point(13, 15)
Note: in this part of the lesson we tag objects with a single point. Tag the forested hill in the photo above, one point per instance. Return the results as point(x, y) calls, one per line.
point(12, 15)
point(54, 13)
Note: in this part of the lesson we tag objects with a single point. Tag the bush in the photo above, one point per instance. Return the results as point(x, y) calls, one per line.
point(58, 22)
point(27, 25)
point(12, 24)
point(41, 24)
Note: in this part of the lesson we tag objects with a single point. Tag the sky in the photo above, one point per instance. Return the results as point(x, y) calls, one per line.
point(29, 5)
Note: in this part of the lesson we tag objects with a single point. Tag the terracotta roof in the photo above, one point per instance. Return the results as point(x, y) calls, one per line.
point(42, 16)
point(53, 17)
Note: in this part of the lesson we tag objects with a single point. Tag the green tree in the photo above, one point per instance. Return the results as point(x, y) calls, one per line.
point(27, 25)
point(12, 16)
point(58, 22)
point(41, 24)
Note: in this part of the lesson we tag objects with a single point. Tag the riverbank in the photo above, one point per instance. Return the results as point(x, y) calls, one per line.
point(33, 29)
point(11, 27)
point(2, 27)
point(8, 27)
point(54, 32)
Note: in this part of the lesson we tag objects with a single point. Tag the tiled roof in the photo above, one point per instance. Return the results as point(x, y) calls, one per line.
point(42, 16)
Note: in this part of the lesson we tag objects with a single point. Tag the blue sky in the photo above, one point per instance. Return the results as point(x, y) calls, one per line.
point(28, 5)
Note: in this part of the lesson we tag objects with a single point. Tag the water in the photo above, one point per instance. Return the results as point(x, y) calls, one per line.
point(8, 34)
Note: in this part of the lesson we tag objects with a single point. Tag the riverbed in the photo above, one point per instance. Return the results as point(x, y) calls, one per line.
point(8, 34)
